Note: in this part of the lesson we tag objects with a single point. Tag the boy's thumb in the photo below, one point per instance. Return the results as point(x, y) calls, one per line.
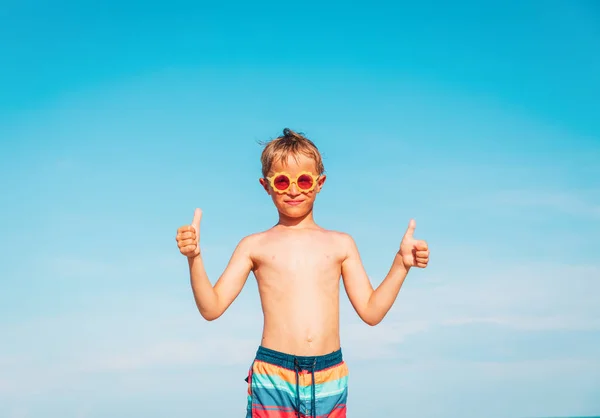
point(196, 220)
point(410, 231)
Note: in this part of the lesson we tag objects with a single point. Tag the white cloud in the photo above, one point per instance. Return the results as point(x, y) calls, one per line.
point(18, 412)
point(535, 297)
point(88, 268)
point(532, 323)
point(435, 387)
point(147, 334)
point(584, 203)
point(219, 350)
point(140, 342)
point(363, 342)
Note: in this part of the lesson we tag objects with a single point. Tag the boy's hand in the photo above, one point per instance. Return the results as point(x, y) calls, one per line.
point(414, 253)
point(188, 237)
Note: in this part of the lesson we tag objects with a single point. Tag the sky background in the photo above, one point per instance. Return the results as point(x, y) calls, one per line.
point(481, 122)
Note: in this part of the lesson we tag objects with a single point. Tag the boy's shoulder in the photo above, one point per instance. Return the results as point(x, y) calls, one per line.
point(338, 235)
point(262, 237)
point(252, 239)
point(258, 244)
point(255, 238)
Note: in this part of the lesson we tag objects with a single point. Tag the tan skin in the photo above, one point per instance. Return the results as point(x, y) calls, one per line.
point(297, 265)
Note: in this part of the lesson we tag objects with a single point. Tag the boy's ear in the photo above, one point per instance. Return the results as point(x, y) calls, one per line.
point(264, 184)
point(321, 182)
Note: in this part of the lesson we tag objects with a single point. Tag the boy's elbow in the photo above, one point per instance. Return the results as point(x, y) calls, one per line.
point(210, 315)
point(210, 311)
point(370, 315)
point(371, 320)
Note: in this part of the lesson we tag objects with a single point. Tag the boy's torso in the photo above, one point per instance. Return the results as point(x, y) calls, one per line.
point(298, 273)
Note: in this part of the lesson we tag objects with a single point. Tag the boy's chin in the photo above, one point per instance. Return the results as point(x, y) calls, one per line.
point(294, 211)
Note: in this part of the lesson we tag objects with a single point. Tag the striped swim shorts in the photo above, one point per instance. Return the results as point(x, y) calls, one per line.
point(286, 386)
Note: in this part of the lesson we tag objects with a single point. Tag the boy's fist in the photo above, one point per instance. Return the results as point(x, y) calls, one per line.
point(188, 236)
point(414, 252)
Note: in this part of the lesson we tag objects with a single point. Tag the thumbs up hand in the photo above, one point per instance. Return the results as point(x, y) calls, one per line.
point(414, 252)
point(188, 237)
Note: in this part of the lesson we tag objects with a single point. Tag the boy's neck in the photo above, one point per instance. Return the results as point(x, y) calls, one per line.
point(306, 221)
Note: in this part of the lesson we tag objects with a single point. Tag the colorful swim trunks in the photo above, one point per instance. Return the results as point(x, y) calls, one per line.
point(286, 386)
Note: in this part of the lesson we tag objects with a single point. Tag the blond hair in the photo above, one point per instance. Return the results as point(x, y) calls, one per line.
point(290, 143)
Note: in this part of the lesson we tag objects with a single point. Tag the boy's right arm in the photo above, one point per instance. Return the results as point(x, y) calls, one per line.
point(213, 301)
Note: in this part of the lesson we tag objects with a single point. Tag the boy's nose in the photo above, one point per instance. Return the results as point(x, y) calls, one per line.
point(294, 190)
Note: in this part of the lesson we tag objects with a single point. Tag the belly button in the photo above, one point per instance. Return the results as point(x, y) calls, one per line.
point(309, 339)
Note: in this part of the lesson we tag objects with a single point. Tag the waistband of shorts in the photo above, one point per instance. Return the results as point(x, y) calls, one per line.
point(290, 361)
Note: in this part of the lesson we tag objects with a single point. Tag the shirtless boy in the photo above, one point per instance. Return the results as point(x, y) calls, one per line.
point(298, 370)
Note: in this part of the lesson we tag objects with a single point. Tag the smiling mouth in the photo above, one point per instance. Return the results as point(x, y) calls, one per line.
point(293, 202)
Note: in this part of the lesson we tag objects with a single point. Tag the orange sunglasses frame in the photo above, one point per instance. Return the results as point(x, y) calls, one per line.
point(293, 180)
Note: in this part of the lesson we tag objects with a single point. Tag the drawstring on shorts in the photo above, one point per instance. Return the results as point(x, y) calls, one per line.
point(313, 403)
point(301, 365)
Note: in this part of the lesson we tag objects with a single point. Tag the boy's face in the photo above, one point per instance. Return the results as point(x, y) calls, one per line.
point(300, 174)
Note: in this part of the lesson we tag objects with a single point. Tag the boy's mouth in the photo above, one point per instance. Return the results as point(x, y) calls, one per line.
point(293, 202)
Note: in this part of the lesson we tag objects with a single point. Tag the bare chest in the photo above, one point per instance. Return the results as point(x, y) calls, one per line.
point(300, 257)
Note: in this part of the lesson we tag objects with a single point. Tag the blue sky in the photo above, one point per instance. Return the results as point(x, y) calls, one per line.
point(117, 120)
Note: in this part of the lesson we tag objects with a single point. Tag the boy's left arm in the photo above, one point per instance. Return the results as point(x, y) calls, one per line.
point(373, 304)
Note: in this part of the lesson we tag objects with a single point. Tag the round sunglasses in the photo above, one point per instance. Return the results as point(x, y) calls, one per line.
point(281, 182)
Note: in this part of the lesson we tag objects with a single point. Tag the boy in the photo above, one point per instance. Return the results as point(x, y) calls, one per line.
point(298, 370)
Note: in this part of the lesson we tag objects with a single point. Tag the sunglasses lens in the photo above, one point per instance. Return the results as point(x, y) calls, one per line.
point(281, 182)
point(305, 182)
